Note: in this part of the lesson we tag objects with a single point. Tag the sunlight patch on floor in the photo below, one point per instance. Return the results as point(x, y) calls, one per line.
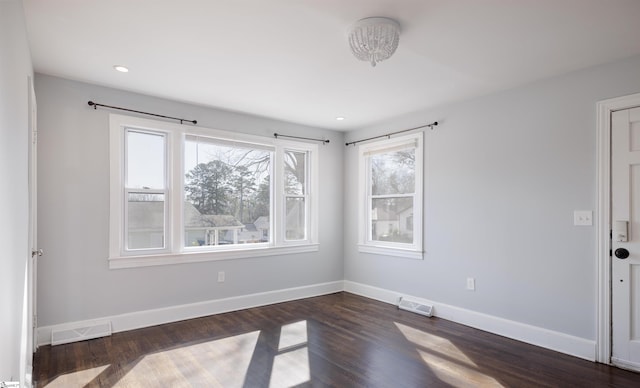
point(455, 374)
point(292, 335)
point(435, 343)
point(290, 369)
point(223, 362)
point(448, 362)
point(291, 364)
point(77, 379)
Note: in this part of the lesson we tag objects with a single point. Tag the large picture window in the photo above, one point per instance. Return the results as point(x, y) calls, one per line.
point(182, 194)
point(391, 191)
point(227, 189)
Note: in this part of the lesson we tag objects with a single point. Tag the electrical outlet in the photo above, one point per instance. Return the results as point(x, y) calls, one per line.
point(471, 284)
point(221, 277)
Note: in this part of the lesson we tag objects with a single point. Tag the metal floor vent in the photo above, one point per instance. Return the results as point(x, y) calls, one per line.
point(74, 334)
point(415, 307)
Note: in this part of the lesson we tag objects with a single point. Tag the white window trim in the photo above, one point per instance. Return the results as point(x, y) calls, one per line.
point(176, 252)
point(198, 257)
point(365, 244)
point(311, 207)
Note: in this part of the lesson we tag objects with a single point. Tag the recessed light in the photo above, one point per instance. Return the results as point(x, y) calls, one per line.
point(122, 69)
point(340, 118)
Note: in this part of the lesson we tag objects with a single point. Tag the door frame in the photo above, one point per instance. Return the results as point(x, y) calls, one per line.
point(603, 265)
point(30, 298)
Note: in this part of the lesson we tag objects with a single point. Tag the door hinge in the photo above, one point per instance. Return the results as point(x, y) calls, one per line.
point(35, 321)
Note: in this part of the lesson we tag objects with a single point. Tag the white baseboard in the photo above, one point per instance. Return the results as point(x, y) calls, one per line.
point(560, 342)
point(625, 364)
point(140, 319)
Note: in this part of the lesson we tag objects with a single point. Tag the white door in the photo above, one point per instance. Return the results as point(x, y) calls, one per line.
point(625, 258)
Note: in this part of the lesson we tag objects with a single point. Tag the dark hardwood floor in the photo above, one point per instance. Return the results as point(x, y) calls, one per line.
point(338, 340)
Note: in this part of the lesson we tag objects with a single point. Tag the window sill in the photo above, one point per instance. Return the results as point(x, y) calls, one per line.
point(386, 251)
point(119, 262)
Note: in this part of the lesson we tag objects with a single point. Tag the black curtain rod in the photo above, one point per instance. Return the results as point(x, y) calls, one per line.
point(96, 105)
point(298, 137)
point(392, 133)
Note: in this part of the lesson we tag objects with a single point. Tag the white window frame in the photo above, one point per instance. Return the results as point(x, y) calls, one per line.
point(365, 243)
point(282, 197)
point(128, 190)
point(175, 251)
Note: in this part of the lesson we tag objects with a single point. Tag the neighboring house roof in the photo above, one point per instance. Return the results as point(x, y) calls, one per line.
point(145, 215)
point(150, 215)
point(193, 219)
point(262, 222)
point(381, 214)
point(408, 210)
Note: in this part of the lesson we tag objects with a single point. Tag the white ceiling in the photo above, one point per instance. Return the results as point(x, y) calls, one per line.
point(289, 59)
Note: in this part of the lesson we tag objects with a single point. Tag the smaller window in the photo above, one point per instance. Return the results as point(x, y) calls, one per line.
point(145, 191)
point(391, 193)
point(295, 195)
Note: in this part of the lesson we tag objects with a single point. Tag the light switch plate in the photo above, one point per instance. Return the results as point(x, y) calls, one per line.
point(583, 218)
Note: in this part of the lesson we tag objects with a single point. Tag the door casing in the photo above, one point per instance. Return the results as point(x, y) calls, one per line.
point(603, 225)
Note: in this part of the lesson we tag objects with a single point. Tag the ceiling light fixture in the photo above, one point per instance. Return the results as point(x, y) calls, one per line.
point(122, 69)
point(340, 118)
point(374, 39)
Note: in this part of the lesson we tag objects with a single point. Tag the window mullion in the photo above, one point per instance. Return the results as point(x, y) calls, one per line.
point(175, 186)
point(133, 190)
point(403, 195)
point(279, 207)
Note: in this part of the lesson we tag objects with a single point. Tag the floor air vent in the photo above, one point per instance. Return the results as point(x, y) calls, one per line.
point(73, 334)
point(415, 307)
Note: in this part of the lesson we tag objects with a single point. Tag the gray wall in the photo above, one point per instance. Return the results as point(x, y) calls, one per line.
point(74, 280)
point(504, 174)
point(15, 68)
